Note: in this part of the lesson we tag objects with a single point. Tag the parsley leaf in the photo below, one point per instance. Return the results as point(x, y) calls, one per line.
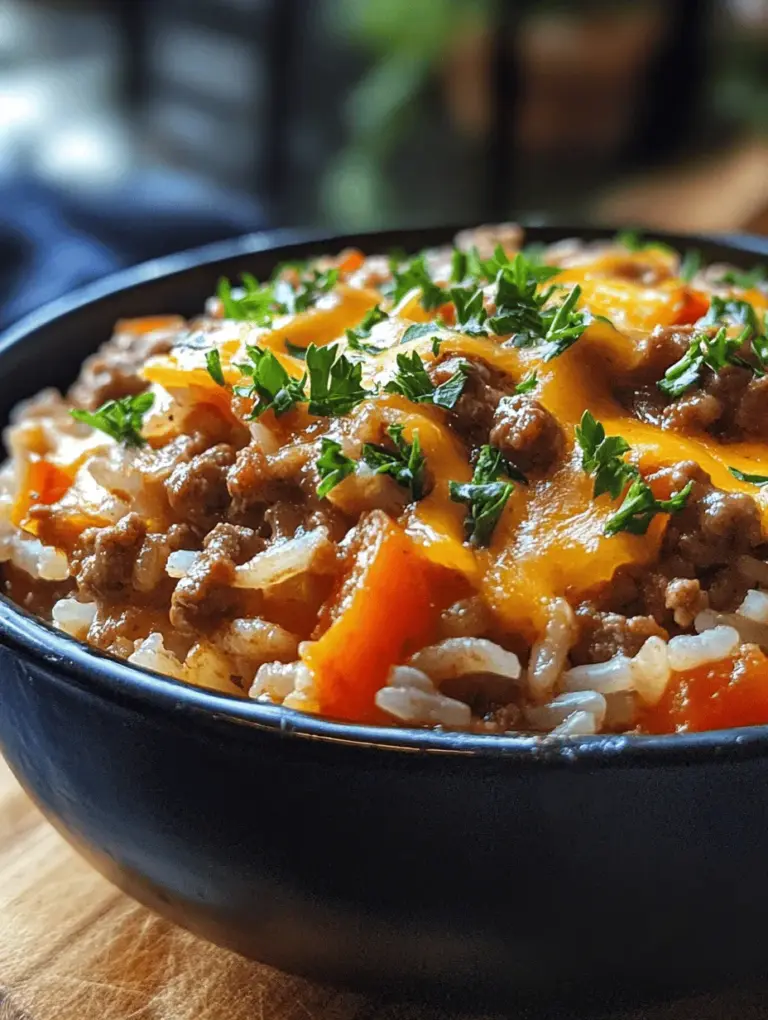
point(470, 310)
point(255, 302)
point(335, 382)
point(295, 350)
point(213, 364)
point(458, 265)
point(417, 331)
point(485, 496)
point(311, 286)
point(355, 336)
point(640, 506)
point(634, 241)
point(723, 311)
point(121, 419)
point(602, 456)
point(518, 300)
point(690, 265)
point(704, 352)
point(332, 466)
point(414, 275)
point(270, 385)
point(406, 464)
point(752, 479)
point(565, 327)
point(412, 381)
point(527, 384)
point(745, 278)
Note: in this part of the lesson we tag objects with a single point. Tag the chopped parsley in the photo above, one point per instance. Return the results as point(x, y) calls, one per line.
point(730, 311)
point(640, 506)
point(752, 479)
point(335, 382)
point(356, 336)
point(690, 265)
point(527, 384)
point(255, 302)
point(312, 284)
point(485, 496)
point(417, 331)
point(260, 302)
point(213, 364)
point(414, 275)
point(602, 456)
point(295, 350)
point(522, 310)
point(703, 352)
point(634, 241)
point(470, 310)
point(406, 463)
point(332, 466)
point(745, 278)
point(121, 419)
point(270, 385)
point(412, 382)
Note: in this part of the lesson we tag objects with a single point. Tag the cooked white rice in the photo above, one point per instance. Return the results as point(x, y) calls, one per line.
point(457, 657)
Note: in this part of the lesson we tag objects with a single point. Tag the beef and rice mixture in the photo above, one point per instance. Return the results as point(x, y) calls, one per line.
point(486, 487)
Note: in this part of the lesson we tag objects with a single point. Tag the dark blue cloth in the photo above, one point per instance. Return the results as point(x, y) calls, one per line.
point(52, 241)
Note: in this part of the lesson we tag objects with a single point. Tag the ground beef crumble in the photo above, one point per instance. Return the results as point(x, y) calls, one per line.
point(205, 595)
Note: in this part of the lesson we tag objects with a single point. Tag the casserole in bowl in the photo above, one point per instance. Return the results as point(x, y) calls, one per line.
point(369, 854)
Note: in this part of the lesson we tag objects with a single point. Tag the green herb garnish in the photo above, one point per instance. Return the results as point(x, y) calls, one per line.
point(414, 275)
point(355, 336)
point(270, 385)
point(725, 311)
point(412, 381)
point(213, 364)
point(745, 278)
point(295, 350)
point(485, 496)
point(690, 265)
point(335, 382)
point(417, 331)
point(640, 506)
point(527, 384)
point(332, 466)
point(634, 241)
point(752, 479)
point(470, 310)
point(602, 456)
point(714, 353)
point(292, 300)
point(255, 301)
point(406, 463)
point(121, 419)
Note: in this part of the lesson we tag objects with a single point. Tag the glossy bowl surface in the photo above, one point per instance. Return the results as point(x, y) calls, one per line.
point(478, 868)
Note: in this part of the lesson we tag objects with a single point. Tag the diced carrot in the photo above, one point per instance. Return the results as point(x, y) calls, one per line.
point(351, 260)
point(720, 695)
point(44, 483)
point(693, 307)
point(383, 612)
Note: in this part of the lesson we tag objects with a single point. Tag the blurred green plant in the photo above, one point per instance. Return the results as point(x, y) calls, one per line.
point(406, 40)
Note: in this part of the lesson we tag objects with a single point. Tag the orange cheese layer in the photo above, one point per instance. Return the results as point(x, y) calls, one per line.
point(550, 539)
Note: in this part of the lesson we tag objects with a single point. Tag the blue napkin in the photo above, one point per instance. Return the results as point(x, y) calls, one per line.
point(53, 240)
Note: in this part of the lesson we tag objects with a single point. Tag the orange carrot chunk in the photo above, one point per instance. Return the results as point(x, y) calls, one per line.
point(732, 692)
point(382, 613)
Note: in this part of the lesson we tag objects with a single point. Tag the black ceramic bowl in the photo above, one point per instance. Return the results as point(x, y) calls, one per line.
point(407, 861)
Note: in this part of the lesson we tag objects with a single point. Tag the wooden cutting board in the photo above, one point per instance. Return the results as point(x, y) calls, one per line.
point(73, 948)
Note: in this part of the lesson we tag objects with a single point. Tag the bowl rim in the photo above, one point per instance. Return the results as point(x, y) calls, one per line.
point(91, 670)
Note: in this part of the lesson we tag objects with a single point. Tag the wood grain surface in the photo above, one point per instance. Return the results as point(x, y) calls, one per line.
point(73, 948)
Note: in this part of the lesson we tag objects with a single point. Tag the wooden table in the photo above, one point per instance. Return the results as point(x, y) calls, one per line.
point(73, 948)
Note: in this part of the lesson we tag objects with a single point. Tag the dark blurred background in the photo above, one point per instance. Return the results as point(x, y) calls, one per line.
point(132, 128)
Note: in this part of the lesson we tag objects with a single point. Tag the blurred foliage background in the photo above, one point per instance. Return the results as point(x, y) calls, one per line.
point(147, 125)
